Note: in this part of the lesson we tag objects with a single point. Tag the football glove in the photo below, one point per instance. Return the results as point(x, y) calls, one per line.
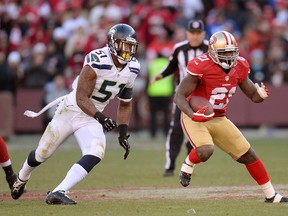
point(199, 116)
point(107, 123)
point(262, 91)
point(123, 139)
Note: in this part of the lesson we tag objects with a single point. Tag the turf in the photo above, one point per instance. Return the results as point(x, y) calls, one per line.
point(136, 186)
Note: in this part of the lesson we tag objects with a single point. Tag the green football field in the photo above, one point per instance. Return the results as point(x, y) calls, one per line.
point(136, 186)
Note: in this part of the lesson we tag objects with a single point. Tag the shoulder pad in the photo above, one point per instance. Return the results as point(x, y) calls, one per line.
point(134, 66)
point(99, 56)
point(243, 62)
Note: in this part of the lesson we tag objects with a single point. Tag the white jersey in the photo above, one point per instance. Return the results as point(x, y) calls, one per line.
point(70, 119)
point(110, 81)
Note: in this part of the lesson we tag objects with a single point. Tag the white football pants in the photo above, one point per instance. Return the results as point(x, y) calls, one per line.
point(66, 121)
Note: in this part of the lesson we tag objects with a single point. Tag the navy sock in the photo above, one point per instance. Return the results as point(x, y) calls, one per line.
point(32, 160)
point(88, 162)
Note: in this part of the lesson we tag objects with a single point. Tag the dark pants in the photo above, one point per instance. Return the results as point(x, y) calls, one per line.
point(159, 104)
point(175, 139)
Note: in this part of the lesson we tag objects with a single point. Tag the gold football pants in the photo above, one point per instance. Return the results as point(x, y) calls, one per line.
point(219, 131)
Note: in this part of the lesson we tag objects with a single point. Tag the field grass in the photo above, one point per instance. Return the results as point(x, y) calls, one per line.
point(136, 186)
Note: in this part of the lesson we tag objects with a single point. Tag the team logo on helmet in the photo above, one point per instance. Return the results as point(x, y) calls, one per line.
point(223, 49)
point(212, 40)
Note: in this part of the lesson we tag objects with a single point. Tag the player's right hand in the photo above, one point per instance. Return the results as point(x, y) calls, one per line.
point(108, 124)
point(199, 116)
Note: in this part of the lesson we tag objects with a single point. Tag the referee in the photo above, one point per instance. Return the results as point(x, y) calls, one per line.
point(183, 51)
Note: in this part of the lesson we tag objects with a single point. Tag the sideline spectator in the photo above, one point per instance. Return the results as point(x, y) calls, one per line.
point(9, 72)
point(255, 23)
point(36, 76)
point(159, 96)
point(52, 90)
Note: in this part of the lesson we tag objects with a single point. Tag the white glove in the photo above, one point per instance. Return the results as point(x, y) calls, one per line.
point(262, 91)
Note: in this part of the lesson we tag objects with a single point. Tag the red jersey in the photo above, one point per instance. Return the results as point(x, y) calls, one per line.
point(216, 85)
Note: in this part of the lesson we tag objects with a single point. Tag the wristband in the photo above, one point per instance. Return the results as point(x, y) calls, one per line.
point(99, 116)
point(123, 128)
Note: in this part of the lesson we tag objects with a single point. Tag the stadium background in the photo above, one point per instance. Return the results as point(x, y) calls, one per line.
point(44, 39)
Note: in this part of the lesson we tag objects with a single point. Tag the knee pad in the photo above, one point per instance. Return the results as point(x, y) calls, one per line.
point(88, 162)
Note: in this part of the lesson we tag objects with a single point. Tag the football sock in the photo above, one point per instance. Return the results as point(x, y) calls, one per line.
point(193, 158)
point(88, 162)
point(260, 175)
point(25, 172)
point(31, 160)
point(8, 170)
point(187, 161)
point(190, 162)
point(258, 172)
point(76, 174)
point(268, 190)
point(187, 167)
point(6, 163)
point(4, 156)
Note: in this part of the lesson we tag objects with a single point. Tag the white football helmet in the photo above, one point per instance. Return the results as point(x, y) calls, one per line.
point(223, 49)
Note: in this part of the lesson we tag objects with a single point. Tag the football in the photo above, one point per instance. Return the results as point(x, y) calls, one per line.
point(197, 102)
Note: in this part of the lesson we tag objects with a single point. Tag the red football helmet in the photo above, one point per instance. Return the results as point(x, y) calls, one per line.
point(223, 49)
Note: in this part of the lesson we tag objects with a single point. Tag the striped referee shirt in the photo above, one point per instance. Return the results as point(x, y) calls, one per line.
point(182, 53)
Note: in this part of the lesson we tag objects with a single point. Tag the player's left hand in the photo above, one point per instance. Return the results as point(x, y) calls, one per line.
point(199, 116)
point(123, 141)
point(262, 91)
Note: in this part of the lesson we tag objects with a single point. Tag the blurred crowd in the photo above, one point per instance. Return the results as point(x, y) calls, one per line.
point(43, 42)
point(41, 39)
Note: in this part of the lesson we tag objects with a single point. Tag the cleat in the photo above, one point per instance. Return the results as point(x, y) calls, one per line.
point(185, 174)
point(276, 199)
point(59, 198)
point(18, 188)
point(184, 178)
point(168, 173)
point(11, 179)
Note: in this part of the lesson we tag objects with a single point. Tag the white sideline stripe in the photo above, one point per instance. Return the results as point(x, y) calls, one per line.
point(191, 192)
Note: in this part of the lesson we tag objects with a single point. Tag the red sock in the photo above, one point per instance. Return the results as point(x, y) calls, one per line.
point(4, 156)
point(193, 157)
point(258, 172)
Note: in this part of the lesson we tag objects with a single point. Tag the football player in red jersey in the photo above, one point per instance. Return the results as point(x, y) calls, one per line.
point(6, 163)
point(215, 75)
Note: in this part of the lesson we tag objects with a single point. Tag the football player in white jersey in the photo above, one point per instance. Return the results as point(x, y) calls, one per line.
point(107, 72)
